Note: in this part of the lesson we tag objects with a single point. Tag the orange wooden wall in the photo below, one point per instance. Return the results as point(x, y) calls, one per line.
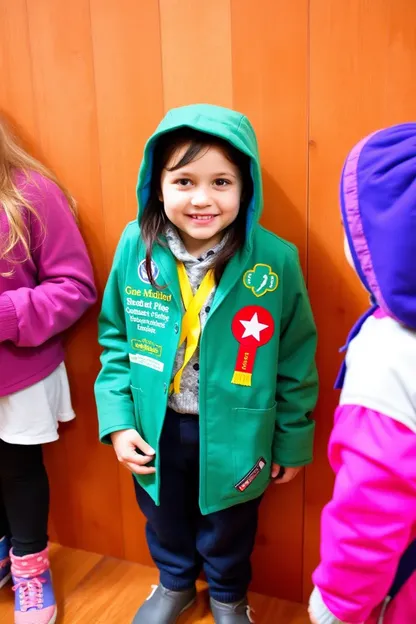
point(87, 81)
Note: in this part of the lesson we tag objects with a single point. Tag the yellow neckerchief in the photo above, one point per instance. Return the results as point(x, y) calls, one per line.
point(191, 326)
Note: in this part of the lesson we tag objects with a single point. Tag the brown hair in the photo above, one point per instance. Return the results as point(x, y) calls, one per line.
point(154, 218)
point(14, 159)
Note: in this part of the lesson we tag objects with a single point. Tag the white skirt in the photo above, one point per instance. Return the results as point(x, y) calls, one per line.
point(32, 415)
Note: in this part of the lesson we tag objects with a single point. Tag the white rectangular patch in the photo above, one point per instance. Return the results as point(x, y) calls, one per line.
point(145, 360)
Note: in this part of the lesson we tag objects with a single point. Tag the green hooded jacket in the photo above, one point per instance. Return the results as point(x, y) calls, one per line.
point(260, 321)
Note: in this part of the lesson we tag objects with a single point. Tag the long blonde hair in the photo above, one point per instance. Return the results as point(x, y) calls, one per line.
point(14, 159)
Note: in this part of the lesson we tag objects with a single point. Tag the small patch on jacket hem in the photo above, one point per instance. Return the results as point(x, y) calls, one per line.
point(250, 476)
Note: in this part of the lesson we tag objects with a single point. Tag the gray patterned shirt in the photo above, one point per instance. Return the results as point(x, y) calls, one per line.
point(187, 400)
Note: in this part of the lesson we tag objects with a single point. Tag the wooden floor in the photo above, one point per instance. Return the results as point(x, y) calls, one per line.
point(92, 589)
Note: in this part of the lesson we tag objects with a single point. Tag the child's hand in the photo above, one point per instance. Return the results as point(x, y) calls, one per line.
point(287, 474)
point(126, 443)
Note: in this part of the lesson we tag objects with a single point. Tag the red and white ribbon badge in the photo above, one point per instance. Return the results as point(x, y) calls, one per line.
point(252, 327)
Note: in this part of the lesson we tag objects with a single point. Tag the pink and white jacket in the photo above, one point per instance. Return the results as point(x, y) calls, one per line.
point(371, 520)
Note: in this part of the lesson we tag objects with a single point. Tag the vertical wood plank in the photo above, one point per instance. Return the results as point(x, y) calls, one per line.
point(196, 52)
point(270, 70)
point(128, 74)
point(363, 77)
point(16, 92)
point(270, 85)
point(85, 491)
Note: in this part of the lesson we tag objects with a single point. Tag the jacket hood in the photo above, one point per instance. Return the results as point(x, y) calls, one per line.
point(221, 122)
point(378, 203)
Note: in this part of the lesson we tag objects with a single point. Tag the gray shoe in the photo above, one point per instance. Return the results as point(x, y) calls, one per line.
point(164, 606)
point(232, 613)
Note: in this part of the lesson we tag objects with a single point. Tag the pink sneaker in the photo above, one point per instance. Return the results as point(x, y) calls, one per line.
point(34, 598)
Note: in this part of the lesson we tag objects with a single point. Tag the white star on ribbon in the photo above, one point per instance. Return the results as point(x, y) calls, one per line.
point(253, 327)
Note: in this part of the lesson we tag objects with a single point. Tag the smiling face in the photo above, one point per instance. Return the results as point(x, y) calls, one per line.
point(202, 198)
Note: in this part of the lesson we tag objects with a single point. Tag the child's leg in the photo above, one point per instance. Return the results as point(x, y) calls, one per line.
point(25, 488)
point(171, 527)
point(4, 525)
point(225, 542)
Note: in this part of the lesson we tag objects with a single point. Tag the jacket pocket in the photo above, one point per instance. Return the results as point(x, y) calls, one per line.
point(253, 432)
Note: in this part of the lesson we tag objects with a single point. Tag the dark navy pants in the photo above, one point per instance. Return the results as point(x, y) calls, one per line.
point(407, 567)
point(181, 540)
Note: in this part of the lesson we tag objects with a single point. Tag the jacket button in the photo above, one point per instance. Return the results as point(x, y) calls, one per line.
point(165, 388)
point(176, 328)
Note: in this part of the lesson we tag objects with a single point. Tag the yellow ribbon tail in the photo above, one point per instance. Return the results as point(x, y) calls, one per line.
point(241, 379)
point(191, 326)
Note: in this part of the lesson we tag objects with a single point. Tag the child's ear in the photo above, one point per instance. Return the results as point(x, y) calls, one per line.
point(160, 195)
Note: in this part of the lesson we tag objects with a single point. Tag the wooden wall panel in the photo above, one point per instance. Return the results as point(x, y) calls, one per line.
point(128, 83)
point(16, 96)
point(270, 85)
point(87, 82)
point(196, 52)
point(363, 77)
point(128, 75)
point(64, 94)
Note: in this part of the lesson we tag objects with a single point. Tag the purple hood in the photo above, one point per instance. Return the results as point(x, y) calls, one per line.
point(378, 204)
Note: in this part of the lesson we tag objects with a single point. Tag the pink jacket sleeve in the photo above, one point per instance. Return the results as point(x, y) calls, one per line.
point(64, 287)
point(372, 515)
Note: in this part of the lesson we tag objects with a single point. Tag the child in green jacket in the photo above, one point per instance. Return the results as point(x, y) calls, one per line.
point(208, 376)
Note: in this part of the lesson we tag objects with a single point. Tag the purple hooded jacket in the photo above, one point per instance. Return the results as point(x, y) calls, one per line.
point(367, 571)
point(45, 294)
